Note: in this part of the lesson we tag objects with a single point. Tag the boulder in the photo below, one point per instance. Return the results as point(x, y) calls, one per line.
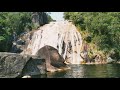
point(35, 66)
point(54, 61)
point(14, 65)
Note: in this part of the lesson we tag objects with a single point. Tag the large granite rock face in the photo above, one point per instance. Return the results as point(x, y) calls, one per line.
point(54, 61)
point(15, 65)
point(62, 35)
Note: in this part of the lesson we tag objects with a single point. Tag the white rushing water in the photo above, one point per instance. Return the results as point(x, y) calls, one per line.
point(61, 35)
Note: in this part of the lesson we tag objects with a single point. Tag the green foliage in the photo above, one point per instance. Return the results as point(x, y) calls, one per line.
point(11, 22)
point(2, 38)
point(103, 27)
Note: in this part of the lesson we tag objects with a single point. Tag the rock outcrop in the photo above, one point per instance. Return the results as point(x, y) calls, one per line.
point(15, 65)
point(22, 42)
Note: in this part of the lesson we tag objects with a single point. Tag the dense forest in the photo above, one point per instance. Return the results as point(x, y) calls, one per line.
point(101, 31)
point(15, 23)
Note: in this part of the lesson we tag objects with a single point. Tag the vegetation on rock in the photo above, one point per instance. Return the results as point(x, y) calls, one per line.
point(101, 30)
point(12, 24)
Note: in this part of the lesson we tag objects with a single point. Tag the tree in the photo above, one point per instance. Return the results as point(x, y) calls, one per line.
point(102, 27)
point(14, 22)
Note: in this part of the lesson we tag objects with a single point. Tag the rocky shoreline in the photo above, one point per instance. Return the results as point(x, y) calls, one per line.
point(13, 65)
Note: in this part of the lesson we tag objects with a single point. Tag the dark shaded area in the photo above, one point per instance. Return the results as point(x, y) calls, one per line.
point(34, 66)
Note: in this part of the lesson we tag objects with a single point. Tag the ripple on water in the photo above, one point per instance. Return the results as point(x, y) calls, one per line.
point(88, 71)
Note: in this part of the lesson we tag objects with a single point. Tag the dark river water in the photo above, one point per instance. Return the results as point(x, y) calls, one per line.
point(87, 71)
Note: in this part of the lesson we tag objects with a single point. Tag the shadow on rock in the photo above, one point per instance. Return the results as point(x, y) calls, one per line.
point(35, 66)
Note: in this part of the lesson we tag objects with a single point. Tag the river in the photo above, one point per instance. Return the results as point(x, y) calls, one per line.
point(86, 71)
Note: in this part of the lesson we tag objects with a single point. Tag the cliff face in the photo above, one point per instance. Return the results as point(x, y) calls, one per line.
point(39, 18)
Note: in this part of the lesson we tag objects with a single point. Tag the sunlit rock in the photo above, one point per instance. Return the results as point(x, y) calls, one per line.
point(62, 35)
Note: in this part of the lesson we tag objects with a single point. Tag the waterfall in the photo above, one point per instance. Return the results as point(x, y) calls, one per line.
point(62, 35)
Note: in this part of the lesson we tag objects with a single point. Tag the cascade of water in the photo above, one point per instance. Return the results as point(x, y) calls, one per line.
point(64, 55)
point(61, 35)
point(73, 54)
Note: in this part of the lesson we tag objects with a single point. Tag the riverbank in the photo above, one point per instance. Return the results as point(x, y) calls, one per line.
point(89, 63)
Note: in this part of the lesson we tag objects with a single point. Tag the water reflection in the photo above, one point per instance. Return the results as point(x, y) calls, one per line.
point(87, 71)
